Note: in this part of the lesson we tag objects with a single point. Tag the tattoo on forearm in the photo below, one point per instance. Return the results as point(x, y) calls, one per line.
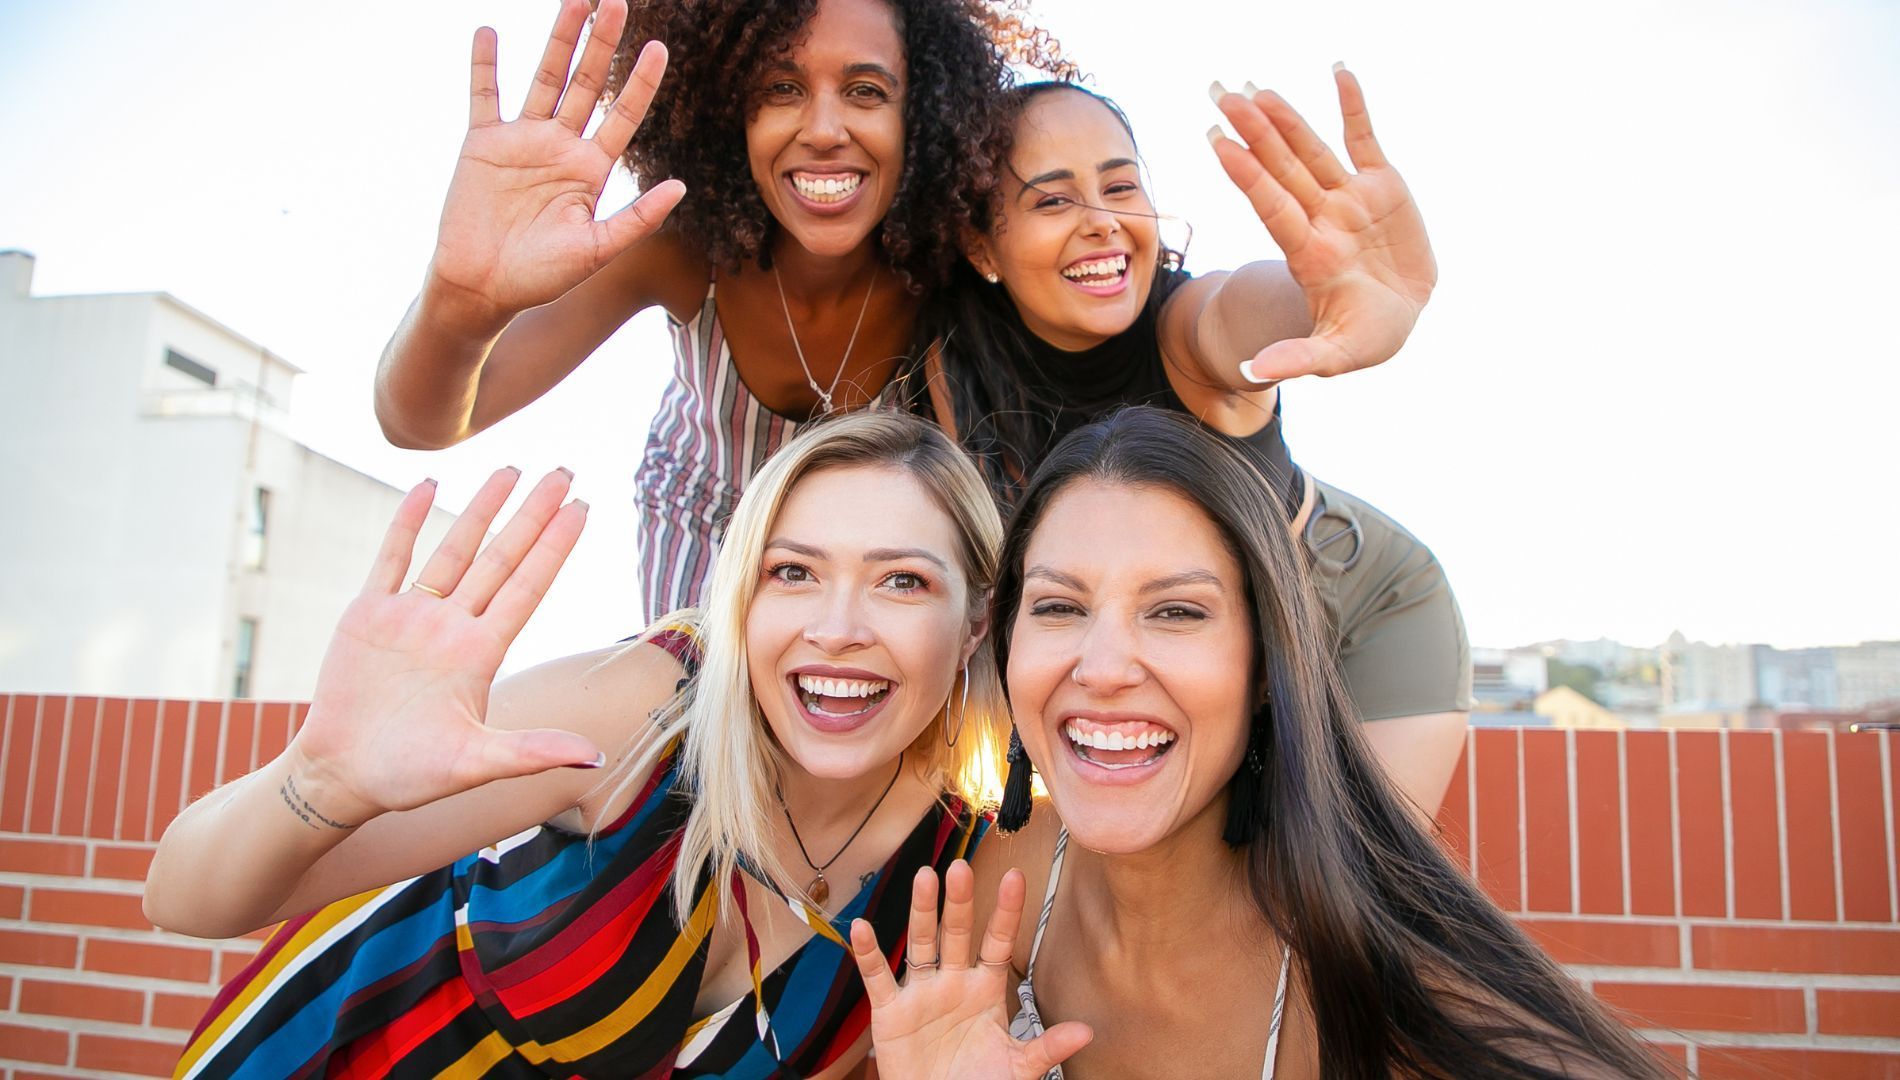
point(302, 808)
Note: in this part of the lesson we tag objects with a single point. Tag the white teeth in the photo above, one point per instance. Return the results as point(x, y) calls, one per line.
point(827, 188)
point(1115, 740)
point(841, 688)
point(1097, 268)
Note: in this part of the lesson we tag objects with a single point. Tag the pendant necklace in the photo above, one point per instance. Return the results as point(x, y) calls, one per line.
point(819, 889)
point(824, 394)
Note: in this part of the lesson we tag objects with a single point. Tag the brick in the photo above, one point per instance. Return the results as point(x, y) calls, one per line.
point(1755, 819)
point(1796, 950)
point(1702, 842)
point(1599, 823)
point(240, 734)
point(153, 960)
point(122, 863)
point(1652, 823)
point(38, 948)
point(1499, 847)
point(1454, 814)
point(1810, 812)
point(1858, 1012)
point(12, 902)
point(106, 782)
point(1607, 942)
point(1674, 1055)
point(1865, 883)
point(43, 857)
point(180, 1012)
point(48, 998)
point(43, 794)
point(81, 747)
point(145, 1057)
point(25, 1043)
point(1547, 821)
point(1753, 1063)
point(76, 906)
point(233, 961)
point(202, 771)
point(274, 725)
point(135, 805)
point(1708, 1008)
point(22, 719)
point(169, 783)
point(6, 991)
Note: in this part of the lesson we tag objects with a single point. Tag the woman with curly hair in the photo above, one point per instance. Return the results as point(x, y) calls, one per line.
point(818, 158)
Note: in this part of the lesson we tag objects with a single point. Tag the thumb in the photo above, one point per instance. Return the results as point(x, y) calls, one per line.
point(640, 218)
point(504, 754)
point(1053, 1047)
point(1292, 358)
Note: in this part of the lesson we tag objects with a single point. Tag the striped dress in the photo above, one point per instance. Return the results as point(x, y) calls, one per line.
point(706, 442)
point(546, 955)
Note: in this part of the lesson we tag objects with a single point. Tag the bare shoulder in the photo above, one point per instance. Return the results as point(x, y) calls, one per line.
point(1029, 850)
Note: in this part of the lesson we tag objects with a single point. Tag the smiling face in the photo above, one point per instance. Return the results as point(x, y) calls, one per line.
point(826, 144)
point(860, 621)
point(1074, 237)
point(1129, 663)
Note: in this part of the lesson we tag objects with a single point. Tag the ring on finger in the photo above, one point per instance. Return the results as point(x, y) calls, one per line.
point(915, 965)
point(992, 963)
point(430, 589)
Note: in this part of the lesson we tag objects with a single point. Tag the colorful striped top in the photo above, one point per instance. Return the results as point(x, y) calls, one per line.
point(707, 441)
point(548, 955)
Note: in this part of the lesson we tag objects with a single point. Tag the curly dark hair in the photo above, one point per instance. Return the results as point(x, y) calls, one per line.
point(956, 120)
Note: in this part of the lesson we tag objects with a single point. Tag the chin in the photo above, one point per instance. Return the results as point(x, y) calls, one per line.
point(1114, 826)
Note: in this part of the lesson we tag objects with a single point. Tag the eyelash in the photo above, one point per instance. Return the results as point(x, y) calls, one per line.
point(782, 571)
point(778, 572)
point(1052, 202)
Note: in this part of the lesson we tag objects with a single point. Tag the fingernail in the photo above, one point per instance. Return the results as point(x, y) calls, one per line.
point(1247, 373)
point(1215, 135)
point(428, 481)
point(599, 761)
point(565, 471)
point(582, 503)
point(1249, 89)
point(512, 468)
point(1216, 91)
point(1338, 66)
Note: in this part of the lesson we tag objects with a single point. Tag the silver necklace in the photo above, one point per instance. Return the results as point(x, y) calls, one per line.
point(824, 394)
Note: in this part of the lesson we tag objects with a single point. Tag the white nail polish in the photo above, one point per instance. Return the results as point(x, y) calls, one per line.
point(1338, 66)
point(1249, 89)
point(1215, 135)
point(1246, 372)
point(1215, 91)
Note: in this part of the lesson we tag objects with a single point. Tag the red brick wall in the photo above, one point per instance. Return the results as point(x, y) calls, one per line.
point(1733, 891)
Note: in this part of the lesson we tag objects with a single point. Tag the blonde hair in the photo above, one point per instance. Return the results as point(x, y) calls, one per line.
point(727, 759)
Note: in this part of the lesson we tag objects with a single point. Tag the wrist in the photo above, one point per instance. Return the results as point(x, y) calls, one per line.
point(457, 313)
point(311, 790)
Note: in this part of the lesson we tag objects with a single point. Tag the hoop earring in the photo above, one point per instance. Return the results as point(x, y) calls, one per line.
point(1245, 814)
point(1014, 813)
point(963, 707)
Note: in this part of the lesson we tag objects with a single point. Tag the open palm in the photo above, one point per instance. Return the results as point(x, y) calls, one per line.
point(949, 1020)
point(518, 227)
point(396, 720)
point(1353, 239)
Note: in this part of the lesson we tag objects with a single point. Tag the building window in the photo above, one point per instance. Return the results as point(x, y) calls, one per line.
point(179, 361)
point(258, 529)
point(246, 655)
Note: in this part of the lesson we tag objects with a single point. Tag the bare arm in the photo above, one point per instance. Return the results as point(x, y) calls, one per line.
point(518, 232)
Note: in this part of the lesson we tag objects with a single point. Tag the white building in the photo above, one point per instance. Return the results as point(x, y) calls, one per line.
point(160, 534)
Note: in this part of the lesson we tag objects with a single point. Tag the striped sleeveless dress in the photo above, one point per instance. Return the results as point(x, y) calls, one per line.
point(707, 441)
point(547, 955)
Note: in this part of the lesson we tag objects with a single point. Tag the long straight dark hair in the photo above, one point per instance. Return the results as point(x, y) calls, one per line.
point(1410, 969)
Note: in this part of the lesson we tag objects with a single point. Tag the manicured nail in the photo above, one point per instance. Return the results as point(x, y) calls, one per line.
point(1216, 91)
point(1247, 373)
point(1215, 135)
point(1249, 89)
point(599, 761)
point(428, 481)
point(582, 503)
point(516, 469)
point(1338, 66)
point(564, 470)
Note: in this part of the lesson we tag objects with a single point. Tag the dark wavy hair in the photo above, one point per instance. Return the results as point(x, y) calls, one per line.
point(956, 121)
point(1410, 969)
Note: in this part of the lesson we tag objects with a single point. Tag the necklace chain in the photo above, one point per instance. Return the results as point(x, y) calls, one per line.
point(824, 394)
point(819, 889)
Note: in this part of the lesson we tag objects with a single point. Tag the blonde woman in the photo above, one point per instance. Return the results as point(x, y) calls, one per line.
point(775, 766)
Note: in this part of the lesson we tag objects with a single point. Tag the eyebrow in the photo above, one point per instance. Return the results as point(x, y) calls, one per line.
point(1069, 174)
point(875, 555)
point(1172, 581)
point(865, 68)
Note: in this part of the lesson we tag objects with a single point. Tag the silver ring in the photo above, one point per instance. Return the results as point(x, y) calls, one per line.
point(992, 963)
point(430, 589)
point(915, 966)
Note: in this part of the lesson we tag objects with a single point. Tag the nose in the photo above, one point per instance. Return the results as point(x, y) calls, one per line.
point(824, 127)
point(1100, 222)
point(1109, 659)
point(838, 626)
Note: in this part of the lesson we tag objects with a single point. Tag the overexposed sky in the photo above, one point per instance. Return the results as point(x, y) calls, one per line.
point(1655, 389)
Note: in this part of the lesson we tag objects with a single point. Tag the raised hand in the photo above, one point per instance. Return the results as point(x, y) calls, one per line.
point(1354, 240)
point(518, 226)
point(397, 717)
point(949, 1019)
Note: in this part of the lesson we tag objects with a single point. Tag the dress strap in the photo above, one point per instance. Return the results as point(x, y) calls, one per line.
point(1048, 899)
point(1279, 1013)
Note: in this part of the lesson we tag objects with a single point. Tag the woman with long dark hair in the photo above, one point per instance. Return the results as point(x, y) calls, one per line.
point(1230, 889)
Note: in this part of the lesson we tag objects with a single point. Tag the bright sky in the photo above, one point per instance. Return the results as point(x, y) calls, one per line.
point(1653, 391)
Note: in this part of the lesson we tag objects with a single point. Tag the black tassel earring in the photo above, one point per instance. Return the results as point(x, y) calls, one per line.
point(1014, 813)
point(1244, 812)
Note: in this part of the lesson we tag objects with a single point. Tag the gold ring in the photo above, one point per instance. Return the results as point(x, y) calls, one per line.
point(432, 591)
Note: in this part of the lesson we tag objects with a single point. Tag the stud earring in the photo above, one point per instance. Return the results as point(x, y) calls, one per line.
point(991, 277)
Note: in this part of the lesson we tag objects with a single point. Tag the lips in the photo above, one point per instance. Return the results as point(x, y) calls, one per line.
point(834, 700)
point(831, 191)
point(1117, 746)
point(1100, 273)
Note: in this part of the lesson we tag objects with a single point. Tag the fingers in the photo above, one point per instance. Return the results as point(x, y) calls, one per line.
point(508, 612)
point(1361, 145)
point(399, 543)
point(1301, 139)
point(444, 571)
point(1294, 357)
point(484, 100)
point(590, 77)
point(631, 106)
point(920, 945)
point(880, 986)
point(959, 916)
point(551, 77)
point(1055, 1046)
point(500, 755)
point(999, 938)
point(639, 219)
point(1284, 218)
point(1266, 144)
point(485, 575)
